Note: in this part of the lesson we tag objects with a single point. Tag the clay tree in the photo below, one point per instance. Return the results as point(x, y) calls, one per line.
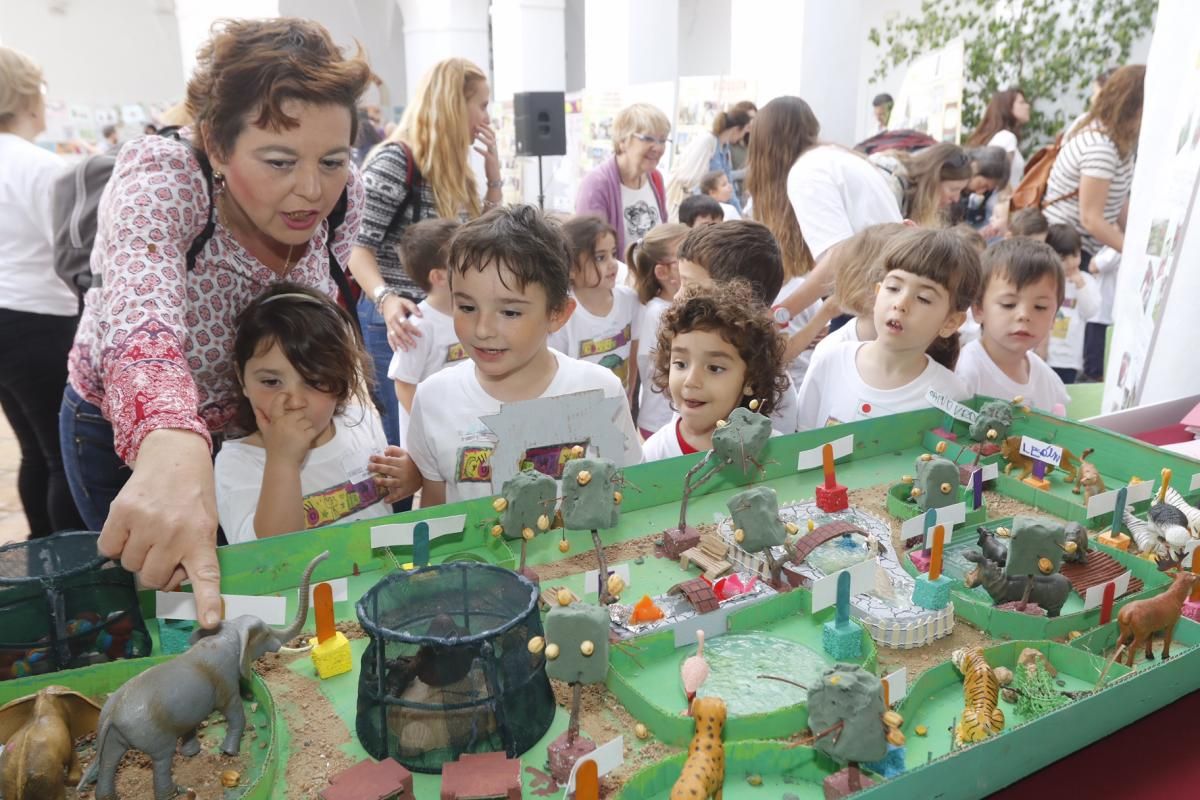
point(576, 652)
point(846, 714)
point(757, 526)
point(167, 703)
point(592, 501)
point(739, 441)
point(526, 508)
point(39, 733)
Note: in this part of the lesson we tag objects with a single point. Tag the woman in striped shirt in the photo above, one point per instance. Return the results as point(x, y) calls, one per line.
point(1089, 184)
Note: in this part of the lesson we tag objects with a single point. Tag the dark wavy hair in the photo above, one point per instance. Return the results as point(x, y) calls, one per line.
point(250, 68)
point(582, 232)
point(316, 335)
point(731, 310)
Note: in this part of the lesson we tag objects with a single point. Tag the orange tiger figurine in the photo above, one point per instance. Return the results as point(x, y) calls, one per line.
point(704, 771)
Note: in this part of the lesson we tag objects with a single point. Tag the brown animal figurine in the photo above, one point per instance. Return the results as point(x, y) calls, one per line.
point(1088, 479)
point(1141, 619)
point(704, 771)
point(39, 733)
point(1010, 450)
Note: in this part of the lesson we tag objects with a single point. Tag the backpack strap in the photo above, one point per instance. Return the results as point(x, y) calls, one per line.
point(335, 220)
point(412, 180)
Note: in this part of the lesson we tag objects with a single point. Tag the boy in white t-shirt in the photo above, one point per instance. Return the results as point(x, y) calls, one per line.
point(423, 251)
point(509, 279)
point(1081, 303)
point(1023, 287)
point(716, 185)
point(930, 278)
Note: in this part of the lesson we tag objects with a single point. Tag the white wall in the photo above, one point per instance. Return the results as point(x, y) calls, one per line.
point(87, 50)
point(704, 37)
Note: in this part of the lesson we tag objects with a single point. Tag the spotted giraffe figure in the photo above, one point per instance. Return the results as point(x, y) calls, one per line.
point(704, 771)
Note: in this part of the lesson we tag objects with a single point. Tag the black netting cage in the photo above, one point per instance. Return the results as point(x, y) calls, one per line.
point(64, 605)
point(448, 669)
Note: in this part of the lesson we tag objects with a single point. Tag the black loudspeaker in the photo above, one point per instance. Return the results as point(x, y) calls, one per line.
point(541, 123)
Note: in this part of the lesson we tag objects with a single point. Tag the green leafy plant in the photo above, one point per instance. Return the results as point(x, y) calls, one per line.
point(1051, 49)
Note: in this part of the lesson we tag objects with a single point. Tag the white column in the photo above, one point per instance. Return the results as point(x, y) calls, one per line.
point(434, 31)
point(631, 42)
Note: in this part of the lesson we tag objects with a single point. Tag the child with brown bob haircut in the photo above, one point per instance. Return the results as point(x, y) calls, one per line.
point(510, 276)
point(424, 248)
point(717, 350)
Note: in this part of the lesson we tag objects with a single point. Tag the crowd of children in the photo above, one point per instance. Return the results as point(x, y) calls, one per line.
point(521, 306)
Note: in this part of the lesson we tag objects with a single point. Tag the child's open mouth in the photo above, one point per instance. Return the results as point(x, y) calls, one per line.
point(894, 326)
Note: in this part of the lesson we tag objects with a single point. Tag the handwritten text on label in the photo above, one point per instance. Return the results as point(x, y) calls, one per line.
point(1041, 451)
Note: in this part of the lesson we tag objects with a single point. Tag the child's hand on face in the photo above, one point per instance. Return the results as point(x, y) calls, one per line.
point(395, 474)
point(287, 434)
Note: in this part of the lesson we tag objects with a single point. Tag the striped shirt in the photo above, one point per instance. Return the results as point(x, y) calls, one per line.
point(1094, 155)
point(386, 179)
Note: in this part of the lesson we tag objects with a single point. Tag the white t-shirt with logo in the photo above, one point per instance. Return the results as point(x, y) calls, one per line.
point(833, 392)
point(448, 442)
point(335, 479)
point(436, 348)
point(639, 210)
point(654, 408)
point(981, 375)
point(1079, 307)
point(606, 340)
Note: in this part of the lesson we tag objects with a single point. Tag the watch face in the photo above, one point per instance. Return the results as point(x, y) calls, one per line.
point(781, 315)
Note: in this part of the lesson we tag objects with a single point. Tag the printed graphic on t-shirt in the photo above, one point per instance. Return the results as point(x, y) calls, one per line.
point(1062, 323)
point(474, 461)
point(336, 502)
point(864, 410)
point(455, 352)
point(612, 361)
point(640, 218)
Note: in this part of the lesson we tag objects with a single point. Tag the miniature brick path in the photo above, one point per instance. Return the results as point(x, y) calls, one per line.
point(819, 536)
point(1100, 568)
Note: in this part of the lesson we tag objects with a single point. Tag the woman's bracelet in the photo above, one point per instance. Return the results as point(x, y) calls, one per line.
point(496, 184)
point(381, 293)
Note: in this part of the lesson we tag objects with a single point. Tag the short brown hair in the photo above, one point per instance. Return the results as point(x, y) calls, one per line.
point(711, 180)
point(250, 68)
point(695, 206)
point(731, 310)
point(316, 335)
point(738, 249)
point(1064, 240)
point(425, 247)
point(939, 255)
point(1028, 222)
point(1023, 261)
point(519, 239)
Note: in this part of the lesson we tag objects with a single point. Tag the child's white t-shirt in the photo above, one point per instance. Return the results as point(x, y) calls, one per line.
point(448, 442)
point(654, 408)
point(982, 376)
point(833, 392)
point(1079, 306)
point(606, 340)
point(798, 365)
point(436, 348)
point(665, 442)
point(1107, 262)
point(729, 211)
point(334, 479)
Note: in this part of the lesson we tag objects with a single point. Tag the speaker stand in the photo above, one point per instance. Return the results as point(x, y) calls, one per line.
point(541, 189)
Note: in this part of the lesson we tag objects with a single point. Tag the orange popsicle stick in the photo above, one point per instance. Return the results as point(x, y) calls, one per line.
point(1195, 598)
point(323, 607)
point(935, 556)
point(587, 781)
point(827, 462)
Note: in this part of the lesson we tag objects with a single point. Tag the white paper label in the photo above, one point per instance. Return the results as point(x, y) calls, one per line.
point(862, 579)
point(182, 605)
point(990, 471)
point(897, 684)
point(340, 586)
point(592, 576)
point(948, 516)
point(607, 756)
point(1041, 451)
point(1094, 596)
point(401, 534)
point(950, 406)
point(811, 459)
point(1195, 483)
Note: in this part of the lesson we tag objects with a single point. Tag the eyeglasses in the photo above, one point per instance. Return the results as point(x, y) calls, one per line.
point(648, 139)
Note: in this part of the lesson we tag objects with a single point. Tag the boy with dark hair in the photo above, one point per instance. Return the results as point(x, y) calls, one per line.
point(699, 209)
point(1030, 223)
point(716, 185)
point(745, 251)
point(424, 249)
point(1023, 287)
point(1081, 302)
point(509, 276)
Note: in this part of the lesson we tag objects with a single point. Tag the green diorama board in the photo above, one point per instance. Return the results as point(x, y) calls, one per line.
point(647, 684)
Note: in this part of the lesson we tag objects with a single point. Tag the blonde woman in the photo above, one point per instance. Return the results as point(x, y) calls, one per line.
point(419, 172)
point(627, 190)
point(38, 312)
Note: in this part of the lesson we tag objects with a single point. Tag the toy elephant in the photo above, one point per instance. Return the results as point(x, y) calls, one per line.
point(39, 733)
point(169, 701)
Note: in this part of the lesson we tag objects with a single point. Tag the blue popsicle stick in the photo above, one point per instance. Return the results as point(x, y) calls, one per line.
point(1119, 511)
point(843, 599)
point(420, 554)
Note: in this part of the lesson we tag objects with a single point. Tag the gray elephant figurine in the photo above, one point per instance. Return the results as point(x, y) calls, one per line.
point(167, 702)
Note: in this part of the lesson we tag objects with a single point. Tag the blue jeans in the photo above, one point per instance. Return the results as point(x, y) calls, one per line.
point(374, 331)
point(94, 471)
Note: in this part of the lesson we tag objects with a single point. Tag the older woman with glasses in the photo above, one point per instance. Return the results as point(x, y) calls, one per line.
point(627, 190)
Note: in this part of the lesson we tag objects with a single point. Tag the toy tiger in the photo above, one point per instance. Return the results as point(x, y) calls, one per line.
point(704, 771)
point(981, 716)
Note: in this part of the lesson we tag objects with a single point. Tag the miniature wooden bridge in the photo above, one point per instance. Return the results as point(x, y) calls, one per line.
point(820, 535)
point(1099, 569)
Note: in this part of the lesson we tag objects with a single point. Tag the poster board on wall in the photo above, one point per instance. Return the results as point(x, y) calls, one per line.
point(700, 100)
point(930, 99)
point(1155, 321)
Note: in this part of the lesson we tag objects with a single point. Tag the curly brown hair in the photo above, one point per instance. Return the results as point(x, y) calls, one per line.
point(1118, 109)
point(731, 310)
